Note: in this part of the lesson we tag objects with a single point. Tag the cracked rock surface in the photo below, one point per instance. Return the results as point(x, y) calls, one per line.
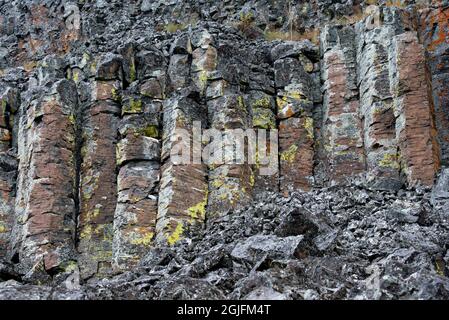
point(335, 243)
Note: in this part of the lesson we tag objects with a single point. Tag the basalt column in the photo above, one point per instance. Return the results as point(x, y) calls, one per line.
point(342, 127)
point(138, 155)
point(98, 185)
point(415, 129)
point(374, 36)
point(44, 228)
point(434, 31)
point(261, 104)
point(8, 165)
point(294, 85)
point(183, 186)
point(231, 178)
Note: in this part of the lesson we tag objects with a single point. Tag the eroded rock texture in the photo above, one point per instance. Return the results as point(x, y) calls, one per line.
point(111, 113)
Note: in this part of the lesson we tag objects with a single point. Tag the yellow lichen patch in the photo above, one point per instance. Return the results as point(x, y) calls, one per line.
point(308, 125)
point(389, 160)
point(263, 118)
point(132, 72)
point(198, 211)
point(76, 76)
point(86, 58)
point(290, 154)
point(116, 95)
point(144, 239)
point(86, 232)
point(202, 78)
point(296, 95)
point(134, 106)
point(241, 103)
point(175, 236)
point(2, 228)
point(262, 103)
point(72, 119)
point(151, 131)
point(281, 102)
point(252, 180)
point(69, 266)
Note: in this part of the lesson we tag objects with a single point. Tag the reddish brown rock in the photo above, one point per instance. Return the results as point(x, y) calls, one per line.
point(45, 206)
point(376, 104)
point(231, 178)
point(98, 178)
point(342, 127)
point(175, 210)
point(98, 193)
point(138, 160)
point(296, 153)
point(434, 33)
point(296, 128)
point(415, 127)
point(136, 212)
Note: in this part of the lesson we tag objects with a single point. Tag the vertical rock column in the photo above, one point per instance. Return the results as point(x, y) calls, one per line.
point(138, 155)
point(45, 207)
point(342, 127)
point(415, 129)
point(98, 194)
point(263, 106)
point(376, 104)
point(434, 30)
point(294, 111)
point(231, 178)
point(8, 166)
point(183, 187)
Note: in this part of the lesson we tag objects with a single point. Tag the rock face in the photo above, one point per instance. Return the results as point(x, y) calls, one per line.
point(127, 128)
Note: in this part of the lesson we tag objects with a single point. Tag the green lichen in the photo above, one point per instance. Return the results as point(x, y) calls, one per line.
point(202, 78)
point(308, 125)
point(116, 95)
point(264, 119)
point(151, 131)
point(217, 183)
point(198, 211)
point(145, 239)
point(134, 106)
point(72, 119)
point(75, 76)
point(175, 236)
point(86, 232)
point(262, 103)
point(252, 180)
point(69, 266)
point(390, 160)
point(241, 103)
point(132, 72)
point(246, 17)
point(290, 154)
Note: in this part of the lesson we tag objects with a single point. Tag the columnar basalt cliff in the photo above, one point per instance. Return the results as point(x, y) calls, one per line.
point(94, 96)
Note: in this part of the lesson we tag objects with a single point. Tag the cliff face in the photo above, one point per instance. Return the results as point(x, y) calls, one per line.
point(95, 93)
